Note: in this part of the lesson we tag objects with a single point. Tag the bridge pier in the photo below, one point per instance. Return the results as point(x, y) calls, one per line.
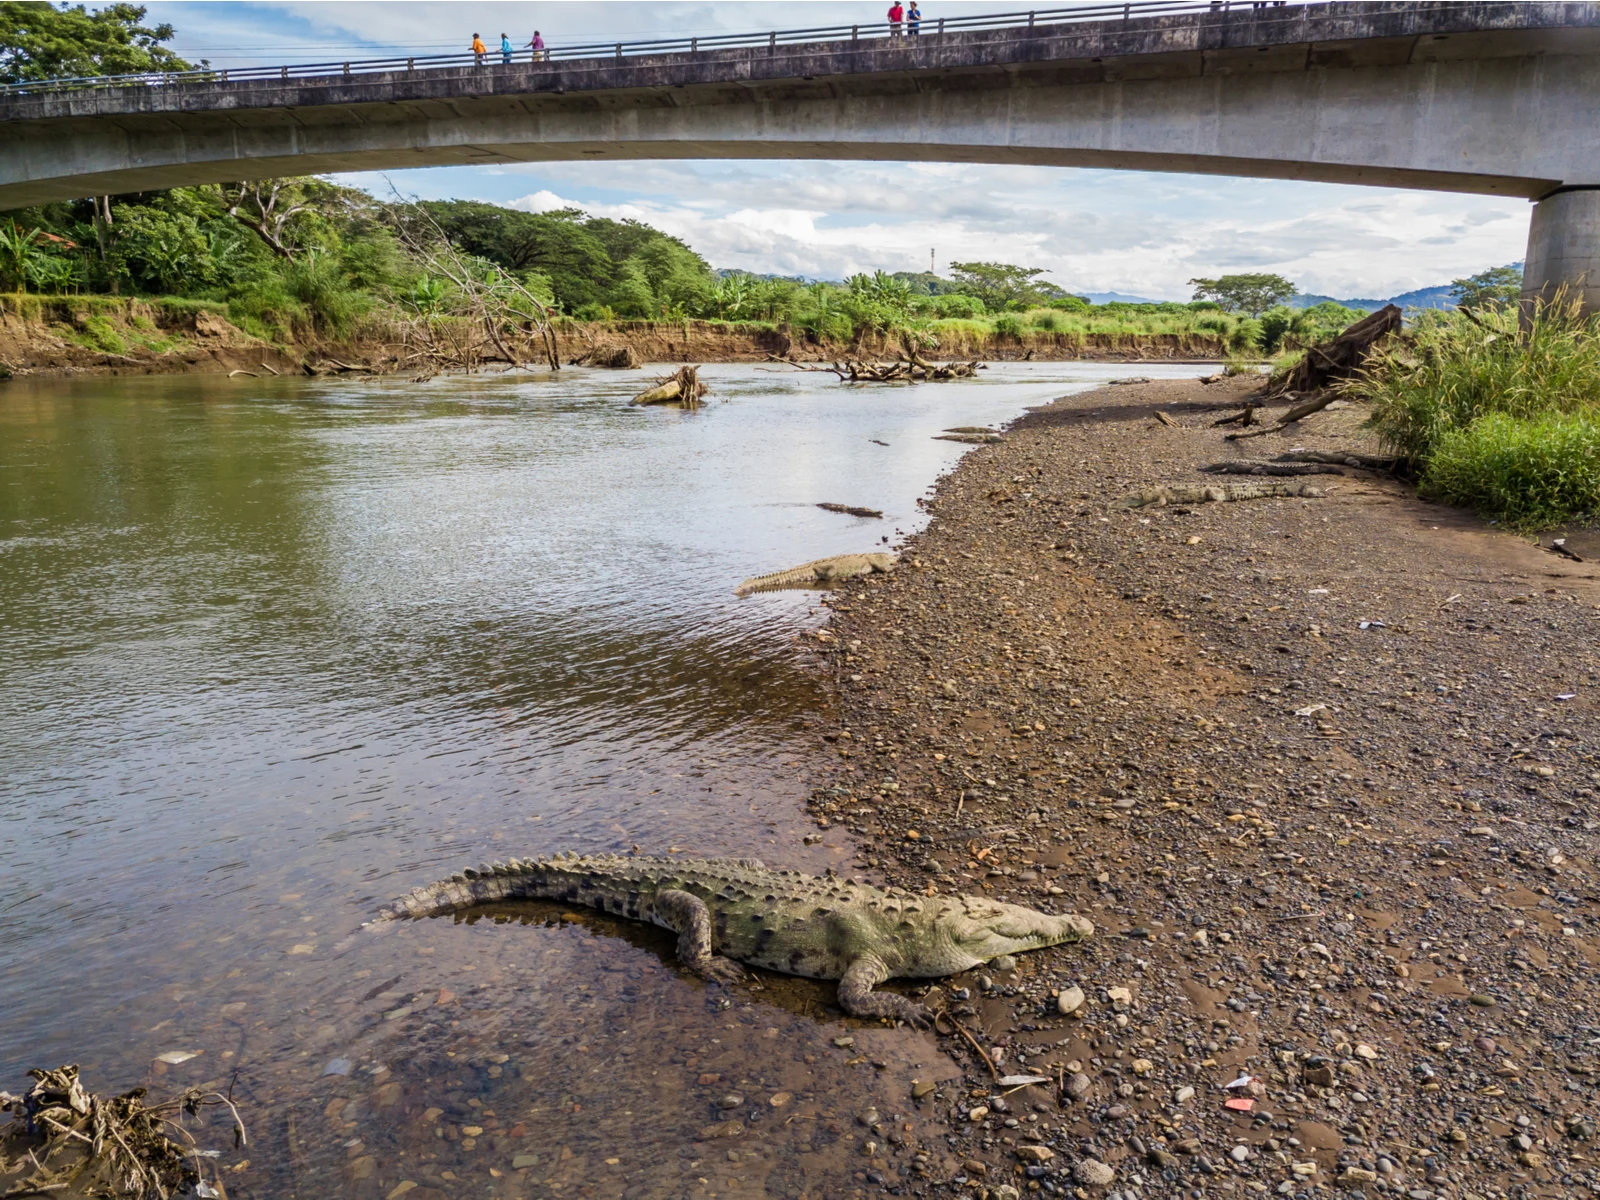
point(1564, 248)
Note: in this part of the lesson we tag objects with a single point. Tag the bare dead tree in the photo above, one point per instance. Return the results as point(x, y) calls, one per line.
point(488, 313)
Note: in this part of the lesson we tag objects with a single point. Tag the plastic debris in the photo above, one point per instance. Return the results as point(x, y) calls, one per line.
point(1242, 1081)
point(1239, 1104)
point(1567, 696)
point(1373, 625)
point(1011, 1081)
point(337, 1066)
point(174, 1057)
point(1310, 710)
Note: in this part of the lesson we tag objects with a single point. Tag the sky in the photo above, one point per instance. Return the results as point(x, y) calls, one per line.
point(1139, 233)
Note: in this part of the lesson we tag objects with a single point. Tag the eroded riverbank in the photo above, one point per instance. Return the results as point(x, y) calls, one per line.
point(1322, 770)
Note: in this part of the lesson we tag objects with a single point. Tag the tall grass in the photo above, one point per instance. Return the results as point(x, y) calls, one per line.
point(1503, 418)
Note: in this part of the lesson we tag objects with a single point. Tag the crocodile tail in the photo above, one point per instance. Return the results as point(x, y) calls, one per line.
point(511, 880)
point(801, 576)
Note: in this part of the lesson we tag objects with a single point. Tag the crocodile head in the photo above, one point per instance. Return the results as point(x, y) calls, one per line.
point(971, 931)
point(989, 929)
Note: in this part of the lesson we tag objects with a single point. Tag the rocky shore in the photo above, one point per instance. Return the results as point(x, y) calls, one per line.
point(1323, 772)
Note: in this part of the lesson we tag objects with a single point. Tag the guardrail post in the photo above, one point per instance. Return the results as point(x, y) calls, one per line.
point(1030, 20)
point(411, 64)
point(941, 24)
point(224, 77)
point(283, 72)
point(347, 68)
point(694, 45)
point(855, 33)
point(1125, 12)
point(772, 40)
point(619, 49)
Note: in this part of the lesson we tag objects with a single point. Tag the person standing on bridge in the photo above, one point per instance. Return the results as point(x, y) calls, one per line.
point(896, 13)
point(537, 46)
point(505, 49)
point(913, 19)
point(479, 49)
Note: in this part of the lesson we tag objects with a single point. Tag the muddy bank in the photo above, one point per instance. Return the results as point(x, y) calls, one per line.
point(1322, 771)
point(109, 335)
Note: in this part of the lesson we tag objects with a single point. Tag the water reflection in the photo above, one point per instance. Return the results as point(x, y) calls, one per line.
point(273, 651)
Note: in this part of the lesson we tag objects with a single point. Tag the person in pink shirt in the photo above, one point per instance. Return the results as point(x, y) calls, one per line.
point(896, 15)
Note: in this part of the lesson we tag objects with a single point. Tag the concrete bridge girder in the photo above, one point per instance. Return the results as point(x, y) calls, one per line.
point(1484, 97)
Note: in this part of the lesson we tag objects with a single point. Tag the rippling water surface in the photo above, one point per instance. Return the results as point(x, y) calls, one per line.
point(272, 651)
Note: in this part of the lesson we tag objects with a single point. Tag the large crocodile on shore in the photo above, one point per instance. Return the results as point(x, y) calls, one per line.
point(818, 571)
point(738, 908)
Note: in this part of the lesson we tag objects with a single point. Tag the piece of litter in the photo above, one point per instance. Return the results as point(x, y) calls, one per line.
point(337, 1066)
point(1010, 1081)
point(206, 1191)
point(1242, 1081)
point(1373, 625)
point(1567, 696)
point(174, 1057)
point(1239, 1104)
point(207, 1153)
point(1317, 592)
point(1309, 710)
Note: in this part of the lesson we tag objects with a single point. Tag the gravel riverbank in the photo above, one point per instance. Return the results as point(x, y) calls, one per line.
point(1322, 771)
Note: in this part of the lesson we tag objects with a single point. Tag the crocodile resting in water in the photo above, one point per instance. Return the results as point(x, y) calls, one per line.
point(738, 908)
point(819, 570)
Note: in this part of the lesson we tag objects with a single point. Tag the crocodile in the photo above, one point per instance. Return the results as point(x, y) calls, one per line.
point(724, 909)
point(1219, 492)
point(819, 570)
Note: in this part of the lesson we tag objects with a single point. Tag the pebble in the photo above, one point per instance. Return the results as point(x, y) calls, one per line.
point(1078, 1086)
point(1035, 1154)
point(401, 1188)
point(921, 1089)
point(779, 1099)
point(731, 1100)
point(1119, 995)
point(1239, 1153)
point(1091, 1172)
point(1183, 1094)
point(1069, 1000)
point(337, 1066)
point(977, 1114)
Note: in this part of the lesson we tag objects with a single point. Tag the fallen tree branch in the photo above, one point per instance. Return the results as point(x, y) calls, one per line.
point(1273, 468)
point(850, 510)
point(683, 387)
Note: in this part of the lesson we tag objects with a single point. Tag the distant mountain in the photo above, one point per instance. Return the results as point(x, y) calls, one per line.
point(1115, 297)
point(1440, 296)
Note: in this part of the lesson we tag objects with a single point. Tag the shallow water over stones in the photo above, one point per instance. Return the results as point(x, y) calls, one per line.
point(275, 651)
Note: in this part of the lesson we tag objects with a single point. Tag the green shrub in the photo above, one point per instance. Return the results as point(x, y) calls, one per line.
point(1047, 320)
point(1245, 337)
point(1071, 304)
point(1528, 472)
point(102, 335)
point(1456, 370)
point(957, 305)
point(1275, 323)
point(1008, 323)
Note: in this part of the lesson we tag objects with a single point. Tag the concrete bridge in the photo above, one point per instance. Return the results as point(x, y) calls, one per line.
point(1486, 97)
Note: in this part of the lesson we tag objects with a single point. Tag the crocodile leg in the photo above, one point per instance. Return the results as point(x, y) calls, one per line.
point(688, 916)
point(859, 1000)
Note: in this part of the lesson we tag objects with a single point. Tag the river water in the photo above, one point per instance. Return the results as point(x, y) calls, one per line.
point(274, 651)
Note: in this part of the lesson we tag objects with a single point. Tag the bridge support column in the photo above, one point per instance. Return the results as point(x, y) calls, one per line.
point(1564, 249)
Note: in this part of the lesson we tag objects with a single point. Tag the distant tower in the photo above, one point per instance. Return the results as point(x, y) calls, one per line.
point(931, 271)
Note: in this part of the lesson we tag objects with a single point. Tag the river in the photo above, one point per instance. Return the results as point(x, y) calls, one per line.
point(274, 651)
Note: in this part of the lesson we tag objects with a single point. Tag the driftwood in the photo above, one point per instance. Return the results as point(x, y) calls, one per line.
point(616, 356)
point(79, 1143)
point(1315, 378)
point(970, 439)
point(1343, 458)
point(684, 388)
point(1332, 362)
point(911, 369)
point(1166, 420)
point(1271, 468)
point(1246, 416)
point(851, 510)
point(1211, 492)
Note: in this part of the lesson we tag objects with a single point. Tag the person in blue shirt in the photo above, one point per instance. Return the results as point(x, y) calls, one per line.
point(913, 19)
point(505, 48)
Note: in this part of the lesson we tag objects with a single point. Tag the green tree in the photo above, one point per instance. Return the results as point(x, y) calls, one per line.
point(16, 254)
point(1252, 294)
point(1497, 285)
point(1001, 285)
point(630, 295)
point(41, 41)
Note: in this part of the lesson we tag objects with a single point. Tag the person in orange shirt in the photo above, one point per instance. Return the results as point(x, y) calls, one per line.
point(478, 48)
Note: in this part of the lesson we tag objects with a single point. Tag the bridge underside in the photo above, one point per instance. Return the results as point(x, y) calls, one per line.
point(1491, 98)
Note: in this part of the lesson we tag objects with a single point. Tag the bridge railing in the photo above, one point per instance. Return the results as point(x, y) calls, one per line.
point(602, 50)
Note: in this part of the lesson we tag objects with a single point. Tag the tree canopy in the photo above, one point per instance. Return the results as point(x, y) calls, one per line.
point(1001, 285)
point(38, 40)
point(1497, 285)
point(1252, 294)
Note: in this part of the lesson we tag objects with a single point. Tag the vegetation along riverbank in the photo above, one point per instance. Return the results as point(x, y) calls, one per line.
point(312, 274)
point(1319, 768)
